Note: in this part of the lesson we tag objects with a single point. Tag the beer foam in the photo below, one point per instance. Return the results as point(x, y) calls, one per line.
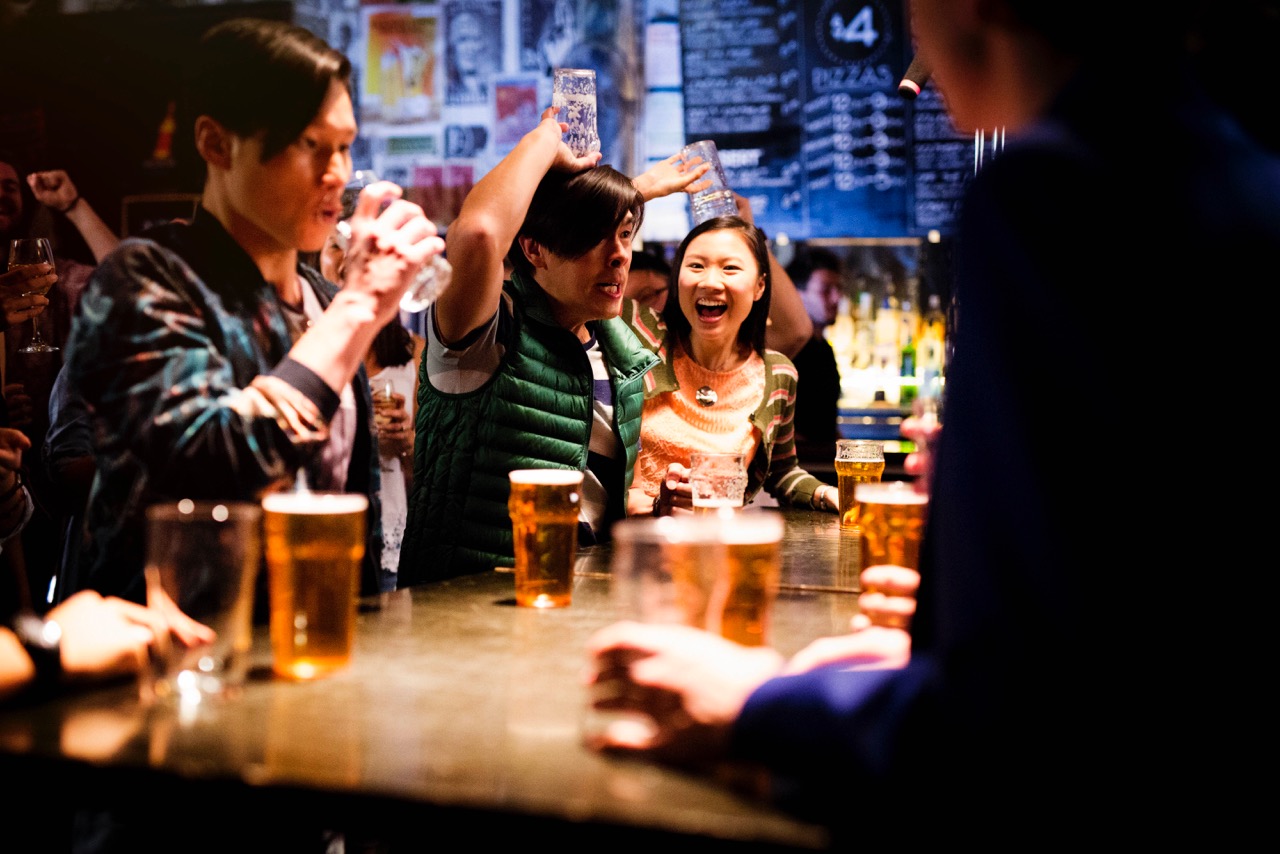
point(751, 527)
point(547, 477)
point(315, 502)
point(889, 492)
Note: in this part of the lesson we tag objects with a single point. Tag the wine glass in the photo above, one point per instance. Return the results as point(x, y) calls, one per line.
point(28, 252)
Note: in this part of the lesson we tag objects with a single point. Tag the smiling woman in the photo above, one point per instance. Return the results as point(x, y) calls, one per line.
point(718, 388)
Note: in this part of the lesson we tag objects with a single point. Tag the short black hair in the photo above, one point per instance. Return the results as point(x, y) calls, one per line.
point(752, 331)
point(572, 212)
point(643, 259)
point(253, 75)
point(812, 258)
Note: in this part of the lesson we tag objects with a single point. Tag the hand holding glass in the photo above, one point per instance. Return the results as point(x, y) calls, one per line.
point(28, 253)
point(715, 199)
point(573, 93)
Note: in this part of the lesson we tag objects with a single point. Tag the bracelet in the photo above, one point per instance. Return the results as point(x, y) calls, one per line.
point(68, 208)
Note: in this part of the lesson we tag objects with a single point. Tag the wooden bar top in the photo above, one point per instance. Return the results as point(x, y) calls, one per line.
point(459, 711)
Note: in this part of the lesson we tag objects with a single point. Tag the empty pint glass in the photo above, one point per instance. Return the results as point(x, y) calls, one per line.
point(857, 461)
point(892, 523)
point(717, 480)
point(315, 546)
point(202, 559)
point(544, 522)
point(716, 199)
point(573, 92)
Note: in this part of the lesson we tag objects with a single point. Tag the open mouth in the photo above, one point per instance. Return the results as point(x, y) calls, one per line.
point(613, 289)
point(708, 310)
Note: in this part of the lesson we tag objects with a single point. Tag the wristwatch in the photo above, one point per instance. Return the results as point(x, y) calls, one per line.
point(42, 639)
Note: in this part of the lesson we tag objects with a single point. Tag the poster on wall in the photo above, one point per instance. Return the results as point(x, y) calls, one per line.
point(516, 110)
point(472, 53)
point(595, 34)
point(399, 89)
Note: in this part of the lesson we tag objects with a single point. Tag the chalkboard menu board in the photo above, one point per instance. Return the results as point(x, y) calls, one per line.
point(801, 99)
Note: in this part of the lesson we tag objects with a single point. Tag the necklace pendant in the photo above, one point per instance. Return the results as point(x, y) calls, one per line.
point(706, 396)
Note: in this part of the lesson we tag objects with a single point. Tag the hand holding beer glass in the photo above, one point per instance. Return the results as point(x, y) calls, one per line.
point(391, 420)
point(544, 522)
point(857, 461)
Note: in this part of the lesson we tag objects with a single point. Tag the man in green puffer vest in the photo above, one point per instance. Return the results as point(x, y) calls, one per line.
point(537, 371)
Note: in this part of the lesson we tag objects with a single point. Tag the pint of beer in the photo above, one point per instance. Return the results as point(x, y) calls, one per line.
point(714, 572)
point(315, 543)
point(857, 461)
point(743, 599)
point(892, 523)
point(544, 521)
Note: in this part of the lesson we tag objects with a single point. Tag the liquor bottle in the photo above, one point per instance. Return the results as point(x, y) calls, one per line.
point(930, 352)
point(864, 336)
point(887, 324)
point(908, 384)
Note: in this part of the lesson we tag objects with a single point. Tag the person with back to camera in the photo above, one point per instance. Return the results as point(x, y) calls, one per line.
point(1071, 671)
point(214, 364)
point(718, 388)
point(537, 370)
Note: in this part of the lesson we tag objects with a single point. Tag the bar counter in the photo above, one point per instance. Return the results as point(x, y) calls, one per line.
point(460, 713)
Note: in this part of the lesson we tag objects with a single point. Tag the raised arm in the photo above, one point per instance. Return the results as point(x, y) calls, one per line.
point(491, 216)
point(790, 326)
point(54, 190)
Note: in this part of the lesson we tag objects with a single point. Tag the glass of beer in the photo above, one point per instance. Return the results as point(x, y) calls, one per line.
point(544, 521)
point(892, 523)
point(857, 461)
point(385, 400)
point(717, 480)
point(315, 545)
point(719, 573)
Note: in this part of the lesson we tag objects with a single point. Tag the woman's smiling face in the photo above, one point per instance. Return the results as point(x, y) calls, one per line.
point(719, 283)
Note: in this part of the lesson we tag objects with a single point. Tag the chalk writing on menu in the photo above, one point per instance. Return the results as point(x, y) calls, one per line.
point(801, 99)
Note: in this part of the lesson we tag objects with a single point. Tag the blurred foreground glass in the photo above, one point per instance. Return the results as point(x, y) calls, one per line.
point(857, 461)
point(315, 545)
point(202, 558)
point(714, 572)
point(716, 199)
point(717, 480)
point(892, 521)
point(573, 93)
point(544, 522)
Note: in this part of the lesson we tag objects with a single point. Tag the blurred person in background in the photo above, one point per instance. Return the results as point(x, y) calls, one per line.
point(30, 206)
point(1055, 679)
point(649, 279)
point(392, 363)
point(817, 274)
